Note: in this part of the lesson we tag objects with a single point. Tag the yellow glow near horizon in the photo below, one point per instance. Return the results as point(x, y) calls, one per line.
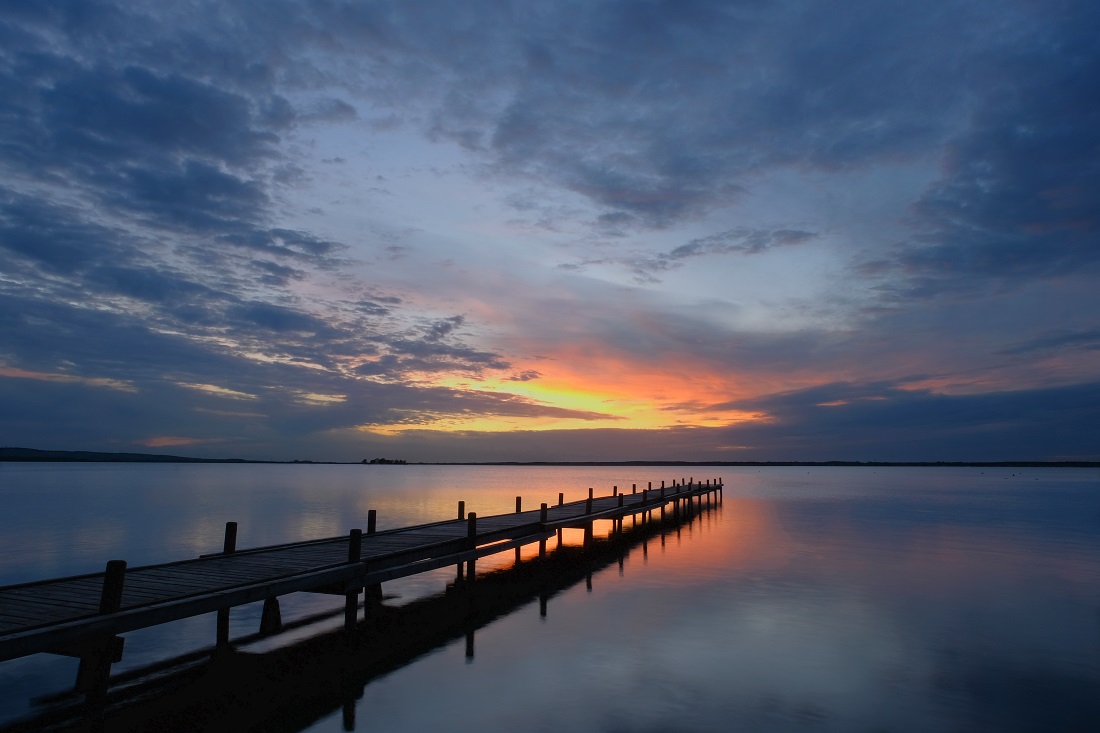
point(616, 398)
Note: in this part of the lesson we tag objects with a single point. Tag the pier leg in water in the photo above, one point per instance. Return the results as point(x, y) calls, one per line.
point(471, 536)
point(94, 672)
point(352, 692)
point(351, 597)
point(229, 546)
point(271, 619)
point(542, 542)
point(469, 646)
point(349, 715)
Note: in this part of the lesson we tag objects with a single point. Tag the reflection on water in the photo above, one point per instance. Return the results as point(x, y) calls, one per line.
point(827, 598)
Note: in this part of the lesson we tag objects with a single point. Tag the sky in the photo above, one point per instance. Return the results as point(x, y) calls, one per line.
point(524, 231)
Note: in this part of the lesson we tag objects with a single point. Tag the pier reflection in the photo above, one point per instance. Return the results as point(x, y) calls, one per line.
point(292, 687)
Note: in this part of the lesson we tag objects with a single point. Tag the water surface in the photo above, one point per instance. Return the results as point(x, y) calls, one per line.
point(900, 599)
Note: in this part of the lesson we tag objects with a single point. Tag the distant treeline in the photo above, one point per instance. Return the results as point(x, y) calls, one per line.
point(32, 454)
point(82, 456)
point(963, 464)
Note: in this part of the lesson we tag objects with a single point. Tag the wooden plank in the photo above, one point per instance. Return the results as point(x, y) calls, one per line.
point(23, 617)
point(59, 596)
point(160, 585)
point(48, 612)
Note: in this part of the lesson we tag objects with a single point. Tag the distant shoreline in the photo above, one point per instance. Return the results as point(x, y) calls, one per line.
point(32, 455)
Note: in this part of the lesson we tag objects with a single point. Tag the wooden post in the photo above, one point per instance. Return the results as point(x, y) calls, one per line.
point(470, 645)
point(614, 490)
point(271, 619)
point(634, 488)
point(461, 510)
point(543, 600)
point(471, 536)
point(561, 499)
point(620, 500)
point(542, 542)
point(94, 671)
point(588, 505)
point(110, 598)
point(372, 592)
point(229, 546)
point(519, 510)
point(351, 597)
point(589, 492)
point(348, 715)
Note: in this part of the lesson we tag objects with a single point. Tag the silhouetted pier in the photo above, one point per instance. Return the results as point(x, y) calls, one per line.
point(81, 616)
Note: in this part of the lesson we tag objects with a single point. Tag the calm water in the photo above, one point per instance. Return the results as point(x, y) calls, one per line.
point(811, 599)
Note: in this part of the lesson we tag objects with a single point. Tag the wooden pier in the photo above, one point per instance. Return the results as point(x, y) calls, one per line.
point(82, 616)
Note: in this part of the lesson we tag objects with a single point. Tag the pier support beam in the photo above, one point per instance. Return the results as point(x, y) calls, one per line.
point(229, 546)
point(271, 619)
point(542, 542)
point(97, 656)
point(471, 536)
point(351, 597)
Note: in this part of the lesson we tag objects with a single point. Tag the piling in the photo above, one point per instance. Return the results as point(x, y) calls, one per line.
point(351, 597)
point(471, 537)
point(229, 546)
point(542, 542)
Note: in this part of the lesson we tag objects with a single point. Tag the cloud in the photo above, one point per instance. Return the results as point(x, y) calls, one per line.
point(739, 241)
point(439, 329)
point(887, 421)
point(171, 213)
point(1017, 202)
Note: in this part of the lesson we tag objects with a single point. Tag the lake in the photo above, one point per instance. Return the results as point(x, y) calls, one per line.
point(830, 598)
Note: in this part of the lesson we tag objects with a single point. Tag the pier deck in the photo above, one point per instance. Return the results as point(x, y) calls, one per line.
point(81, 615)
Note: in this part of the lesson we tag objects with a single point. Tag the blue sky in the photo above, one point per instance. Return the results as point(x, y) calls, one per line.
point(539, 231)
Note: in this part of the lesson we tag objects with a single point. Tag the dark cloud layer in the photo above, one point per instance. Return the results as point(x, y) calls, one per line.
point(154, 272)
